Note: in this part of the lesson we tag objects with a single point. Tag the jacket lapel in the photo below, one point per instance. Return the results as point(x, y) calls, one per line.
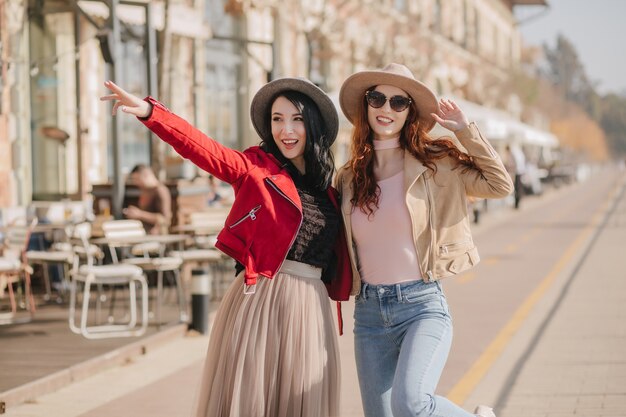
point(412, 171)
point(285, 185)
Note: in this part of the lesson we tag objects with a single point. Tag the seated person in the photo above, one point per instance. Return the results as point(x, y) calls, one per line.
point(154, 208)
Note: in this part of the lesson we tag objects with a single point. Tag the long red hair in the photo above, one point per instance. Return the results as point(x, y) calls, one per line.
point(413, 139)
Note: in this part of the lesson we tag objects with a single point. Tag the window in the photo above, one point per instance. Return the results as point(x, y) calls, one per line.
point(53, 106)
point(437, 16)
point(134, 138)
point(221, 79)
point(465, 31)
point(476, 31)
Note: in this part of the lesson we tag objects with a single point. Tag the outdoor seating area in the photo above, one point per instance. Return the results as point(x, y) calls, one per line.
point(113, 279)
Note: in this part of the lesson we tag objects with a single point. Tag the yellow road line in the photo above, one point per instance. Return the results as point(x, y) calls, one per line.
point(475, 374)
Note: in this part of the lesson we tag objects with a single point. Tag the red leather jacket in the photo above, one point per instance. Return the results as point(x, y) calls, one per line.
point(267, 212)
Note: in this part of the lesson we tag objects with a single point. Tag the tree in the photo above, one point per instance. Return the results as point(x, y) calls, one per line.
point(567, 74)
point(613, 121)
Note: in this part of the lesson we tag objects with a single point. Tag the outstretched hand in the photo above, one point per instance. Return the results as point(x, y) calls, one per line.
point(128, 103)
point(450, 116)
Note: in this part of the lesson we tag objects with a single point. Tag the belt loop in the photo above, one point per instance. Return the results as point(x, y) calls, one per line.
point(364, 290)
point(399, 293)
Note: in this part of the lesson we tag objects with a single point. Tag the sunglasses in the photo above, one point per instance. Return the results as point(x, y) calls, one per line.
point(376, 99)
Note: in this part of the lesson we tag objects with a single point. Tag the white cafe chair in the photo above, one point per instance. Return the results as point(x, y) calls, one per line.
point(14, 270)
point(90, 274)
point(120, 229)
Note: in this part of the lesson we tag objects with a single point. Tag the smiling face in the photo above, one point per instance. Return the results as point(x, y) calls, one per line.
point(288, 131)
point(385, 122)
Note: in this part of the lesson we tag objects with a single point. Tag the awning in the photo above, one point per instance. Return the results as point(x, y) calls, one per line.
point(184, 20)
point(497, 125)
point(529, 135)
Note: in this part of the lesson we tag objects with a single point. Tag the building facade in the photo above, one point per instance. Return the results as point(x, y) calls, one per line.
point(56, 137)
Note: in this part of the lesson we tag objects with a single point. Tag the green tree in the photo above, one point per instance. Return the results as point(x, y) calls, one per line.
point(613, 121)
point(568, 75)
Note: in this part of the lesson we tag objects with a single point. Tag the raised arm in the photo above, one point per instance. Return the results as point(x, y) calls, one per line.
point(490, 180)
point(225, 163)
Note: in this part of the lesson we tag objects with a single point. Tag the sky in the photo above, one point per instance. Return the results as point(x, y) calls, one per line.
point(597, 28)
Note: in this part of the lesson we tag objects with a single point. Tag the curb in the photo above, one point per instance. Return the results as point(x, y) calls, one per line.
point(80, 371)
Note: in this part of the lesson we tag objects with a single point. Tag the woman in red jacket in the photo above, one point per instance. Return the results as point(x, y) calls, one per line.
point(273, 349)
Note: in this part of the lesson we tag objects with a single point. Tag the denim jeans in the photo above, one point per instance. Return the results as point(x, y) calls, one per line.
point(402, 336)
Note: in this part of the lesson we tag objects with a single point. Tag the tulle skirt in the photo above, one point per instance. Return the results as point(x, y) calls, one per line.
point(273, 353)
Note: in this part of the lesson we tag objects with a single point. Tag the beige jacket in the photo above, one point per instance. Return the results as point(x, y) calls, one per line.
point(438, 206)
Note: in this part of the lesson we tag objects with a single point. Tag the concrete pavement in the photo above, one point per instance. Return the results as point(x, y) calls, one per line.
point(574, 363)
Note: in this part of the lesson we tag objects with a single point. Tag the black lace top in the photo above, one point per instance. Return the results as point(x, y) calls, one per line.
point(315, 241)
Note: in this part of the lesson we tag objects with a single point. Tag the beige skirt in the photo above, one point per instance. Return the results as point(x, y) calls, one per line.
point(273, 353)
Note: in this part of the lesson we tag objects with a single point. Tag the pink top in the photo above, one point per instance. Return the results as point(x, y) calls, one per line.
point(384, 241)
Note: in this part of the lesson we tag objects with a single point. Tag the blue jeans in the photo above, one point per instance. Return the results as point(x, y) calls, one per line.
point(402, 336)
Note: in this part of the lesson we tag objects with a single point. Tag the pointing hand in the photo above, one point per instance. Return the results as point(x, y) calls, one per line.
point(129, 103)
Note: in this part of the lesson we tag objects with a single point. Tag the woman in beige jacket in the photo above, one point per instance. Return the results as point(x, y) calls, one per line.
point(405, 211)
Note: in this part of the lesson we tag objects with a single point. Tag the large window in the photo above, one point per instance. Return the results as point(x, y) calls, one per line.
point(437, 23)
point(477, 46)
point(53, 106)
point(221, 78)
point(133, 136)
point(465, 31)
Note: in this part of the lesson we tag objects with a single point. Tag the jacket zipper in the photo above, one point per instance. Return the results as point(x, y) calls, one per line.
point(351, 247)
point(419, 264)
point(251, 214)
point(432, 231)
point(444, 249)
point(299, 225)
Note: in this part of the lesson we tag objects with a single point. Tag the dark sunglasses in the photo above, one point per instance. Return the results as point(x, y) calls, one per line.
point(376, 99)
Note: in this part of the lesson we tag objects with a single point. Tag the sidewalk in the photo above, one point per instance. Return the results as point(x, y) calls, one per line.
point(569, 357)
point(577, 365)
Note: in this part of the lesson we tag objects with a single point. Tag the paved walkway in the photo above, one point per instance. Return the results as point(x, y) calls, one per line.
point(576, 365)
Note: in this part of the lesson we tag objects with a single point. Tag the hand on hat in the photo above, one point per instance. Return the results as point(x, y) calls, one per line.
point(450, 116)
point(128, 102)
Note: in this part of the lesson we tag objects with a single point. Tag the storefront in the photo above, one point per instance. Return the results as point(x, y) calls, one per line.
point(61, 141)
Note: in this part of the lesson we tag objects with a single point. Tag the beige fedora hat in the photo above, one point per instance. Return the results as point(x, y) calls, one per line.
point(354, 88)
point(263, 99)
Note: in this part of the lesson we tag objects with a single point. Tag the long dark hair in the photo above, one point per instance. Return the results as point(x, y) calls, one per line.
point(318, 159)
point(413, 139)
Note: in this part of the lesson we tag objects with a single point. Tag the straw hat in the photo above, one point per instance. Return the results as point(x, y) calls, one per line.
point(263, 99)
point(397, 75)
